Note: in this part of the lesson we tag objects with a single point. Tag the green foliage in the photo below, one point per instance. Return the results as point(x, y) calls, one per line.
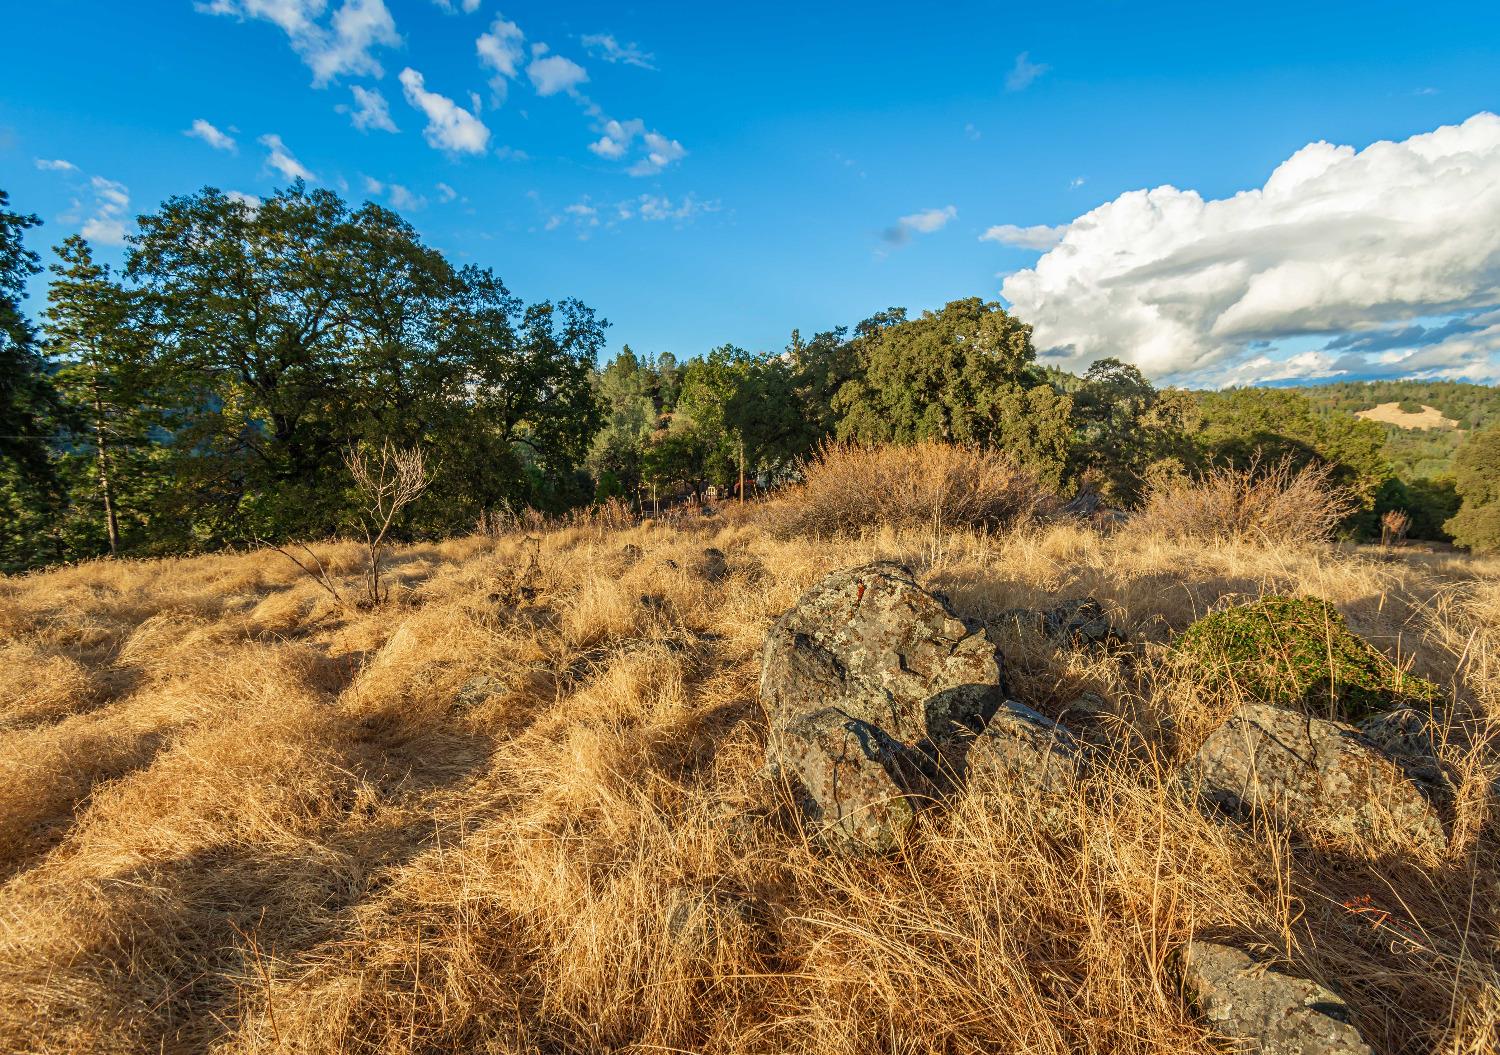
point(1296, 652)
point(1477, 482)
point(1242, 424)
point(1126, 429)
point(301, 327)
point(960, 375)
point(31, 494)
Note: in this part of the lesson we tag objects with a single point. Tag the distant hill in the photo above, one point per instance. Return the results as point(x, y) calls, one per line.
point(1408, 416)
point(1425, 421)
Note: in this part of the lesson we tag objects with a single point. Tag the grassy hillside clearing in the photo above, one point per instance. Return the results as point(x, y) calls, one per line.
point(235, 818)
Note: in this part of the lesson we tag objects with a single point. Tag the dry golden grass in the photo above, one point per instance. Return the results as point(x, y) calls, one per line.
point(849, 489)
point(235, 818)
point(1272, 503)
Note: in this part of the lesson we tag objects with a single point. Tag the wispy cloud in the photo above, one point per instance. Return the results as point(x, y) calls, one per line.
point(1038, 236)
point(283, 161)
point(605, 46)
point(344, 44)
point(201, 129)
point(925, 222)
point(55, 165)
point(551, 74)
point(1024, 72)
point(111, 203)
point(370, 110)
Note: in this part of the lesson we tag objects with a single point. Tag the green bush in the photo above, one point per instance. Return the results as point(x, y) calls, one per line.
point(1297, 652)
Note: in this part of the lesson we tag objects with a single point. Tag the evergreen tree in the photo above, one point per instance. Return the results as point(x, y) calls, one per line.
point(101, 368)
point(1477, 481)
point(30, 491)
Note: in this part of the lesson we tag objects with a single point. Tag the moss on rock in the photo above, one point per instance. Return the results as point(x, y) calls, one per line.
point(1297, 652)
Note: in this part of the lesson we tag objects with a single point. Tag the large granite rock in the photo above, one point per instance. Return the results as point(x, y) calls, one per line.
point(1320, 776)
point(866, 681)
point(1265, 1010)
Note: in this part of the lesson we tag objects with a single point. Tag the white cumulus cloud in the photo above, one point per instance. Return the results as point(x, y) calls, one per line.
point(343, 44)
point(449, 126)
point(551, 74)
point(282, 160)
point(1388, 254)
point(212, 136)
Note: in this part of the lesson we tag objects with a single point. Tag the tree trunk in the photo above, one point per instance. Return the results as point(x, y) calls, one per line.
point(742, 472)
point(111, 524)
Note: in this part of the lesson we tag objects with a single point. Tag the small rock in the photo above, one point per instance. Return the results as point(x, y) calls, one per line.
point(1266, 1010)
point(1410, 737)
point(1077, 623)
point(1024, 751)
point(1320, 776)
point(712, 565)
point(478, 689)
point(699, 917)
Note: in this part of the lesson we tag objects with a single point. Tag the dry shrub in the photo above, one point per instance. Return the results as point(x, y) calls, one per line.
point(1277, 503)
point(848, 489)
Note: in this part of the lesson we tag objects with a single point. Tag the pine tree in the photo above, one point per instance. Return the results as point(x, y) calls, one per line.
point(100, 371)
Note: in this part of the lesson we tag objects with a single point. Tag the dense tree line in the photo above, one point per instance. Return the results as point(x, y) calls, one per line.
point(212, 392)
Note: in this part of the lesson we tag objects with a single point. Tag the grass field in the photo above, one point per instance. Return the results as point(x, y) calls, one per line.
point(235, 817)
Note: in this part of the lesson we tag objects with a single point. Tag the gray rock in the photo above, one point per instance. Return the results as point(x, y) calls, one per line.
point(1411, 739)
point(711, 565)
point(1320, 776)
point(1266, 1010)
point(1024, 752)
point(863, 682)
point(478, 689)
point(1078, 622)
point(699, 918)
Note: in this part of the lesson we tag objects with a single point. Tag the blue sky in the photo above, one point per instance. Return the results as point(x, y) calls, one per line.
point(806, 165)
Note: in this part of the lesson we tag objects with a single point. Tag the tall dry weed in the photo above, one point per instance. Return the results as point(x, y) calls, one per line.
point(1270, 503)
point(848, 489)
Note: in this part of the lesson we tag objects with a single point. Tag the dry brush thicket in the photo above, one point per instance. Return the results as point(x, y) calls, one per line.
point(497, 813)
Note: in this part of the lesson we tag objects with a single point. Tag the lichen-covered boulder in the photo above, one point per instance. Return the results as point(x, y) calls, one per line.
point(699, 918)
point(864, 682)
point(1024, 752)
point(1321, 777)
point(873, 644)
point(1266, 1010)
point(1296, 652)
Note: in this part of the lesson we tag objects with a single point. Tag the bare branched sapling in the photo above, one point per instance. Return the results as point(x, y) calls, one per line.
point(388, 483)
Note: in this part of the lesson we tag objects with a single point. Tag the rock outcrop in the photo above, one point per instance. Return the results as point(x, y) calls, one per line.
point(867, 683)
point(1265, 1010)
point(1319, 776)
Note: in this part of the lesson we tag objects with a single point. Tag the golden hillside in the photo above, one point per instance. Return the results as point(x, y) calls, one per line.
point(236, 817)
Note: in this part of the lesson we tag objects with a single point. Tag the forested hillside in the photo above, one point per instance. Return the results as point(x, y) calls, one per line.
point(227, 385)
